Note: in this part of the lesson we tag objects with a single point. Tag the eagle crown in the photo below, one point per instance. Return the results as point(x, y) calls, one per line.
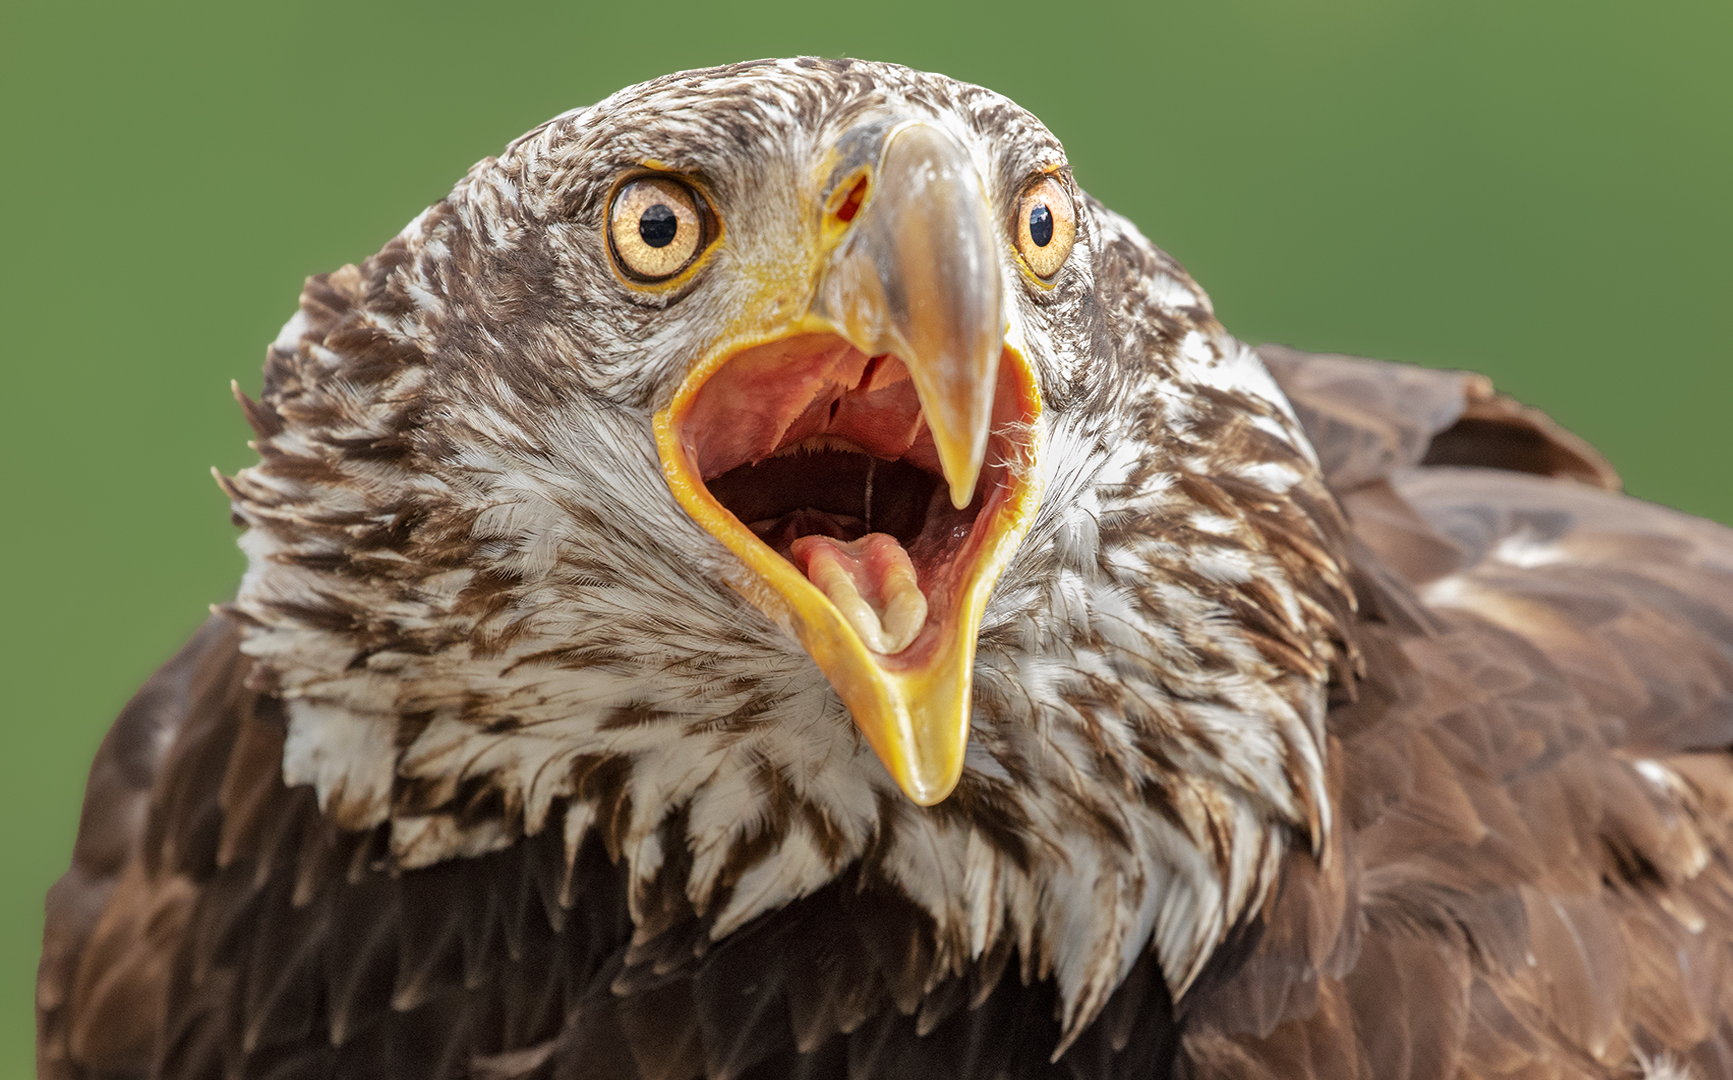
point(488, 615)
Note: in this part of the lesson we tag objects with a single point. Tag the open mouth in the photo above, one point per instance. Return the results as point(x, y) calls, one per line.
point(823, 455)
point(819, 457)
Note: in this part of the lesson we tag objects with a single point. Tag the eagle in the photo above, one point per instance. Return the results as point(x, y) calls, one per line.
point(769, 579)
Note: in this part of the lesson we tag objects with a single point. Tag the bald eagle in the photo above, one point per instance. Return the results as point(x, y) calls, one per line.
point(769, 579)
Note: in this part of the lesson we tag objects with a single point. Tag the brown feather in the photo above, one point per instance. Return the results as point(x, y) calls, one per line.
point(1571, 657)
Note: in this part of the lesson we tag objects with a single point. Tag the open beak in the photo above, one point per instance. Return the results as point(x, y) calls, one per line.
point(872, 461)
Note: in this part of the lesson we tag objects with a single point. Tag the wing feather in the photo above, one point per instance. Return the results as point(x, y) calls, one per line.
point(1535, 768)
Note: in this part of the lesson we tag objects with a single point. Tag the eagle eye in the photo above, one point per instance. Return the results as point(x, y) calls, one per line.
point(655, 228)
point(1046, 226)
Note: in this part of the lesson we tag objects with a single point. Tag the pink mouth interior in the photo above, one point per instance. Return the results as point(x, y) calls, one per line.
point(810, 437)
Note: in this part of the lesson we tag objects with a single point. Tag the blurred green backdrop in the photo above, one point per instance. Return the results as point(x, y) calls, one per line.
point(1535, 190)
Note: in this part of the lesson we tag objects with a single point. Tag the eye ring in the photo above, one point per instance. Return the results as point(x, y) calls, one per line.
point(1046, 226)
point(656, 227)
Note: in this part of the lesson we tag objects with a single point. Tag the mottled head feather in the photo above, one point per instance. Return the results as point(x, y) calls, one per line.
point(489, 617)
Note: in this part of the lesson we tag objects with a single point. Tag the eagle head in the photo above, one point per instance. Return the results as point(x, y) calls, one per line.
point(785, 469)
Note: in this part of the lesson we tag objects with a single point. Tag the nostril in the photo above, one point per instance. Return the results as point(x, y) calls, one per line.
point(851, 205)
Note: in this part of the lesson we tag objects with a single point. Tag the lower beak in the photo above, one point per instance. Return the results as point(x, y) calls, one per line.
point(891, 620)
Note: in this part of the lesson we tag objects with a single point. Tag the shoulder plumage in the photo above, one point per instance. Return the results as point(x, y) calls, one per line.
point(1531, 778)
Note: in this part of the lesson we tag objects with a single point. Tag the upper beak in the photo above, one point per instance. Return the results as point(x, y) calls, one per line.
point(915, 276)
point(917, 279)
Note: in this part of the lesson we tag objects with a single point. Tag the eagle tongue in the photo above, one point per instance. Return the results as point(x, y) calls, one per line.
point(872, 583)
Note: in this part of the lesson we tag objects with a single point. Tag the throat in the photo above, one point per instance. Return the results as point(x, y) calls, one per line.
point(828, 492)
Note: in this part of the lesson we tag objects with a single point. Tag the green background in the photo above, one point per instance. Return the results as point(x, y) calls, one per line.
point(1534, 190)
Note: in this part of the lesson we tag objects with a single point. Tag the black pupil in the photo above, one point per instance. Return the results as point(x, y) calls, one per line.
point(1041, 225)
point(658, 225)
